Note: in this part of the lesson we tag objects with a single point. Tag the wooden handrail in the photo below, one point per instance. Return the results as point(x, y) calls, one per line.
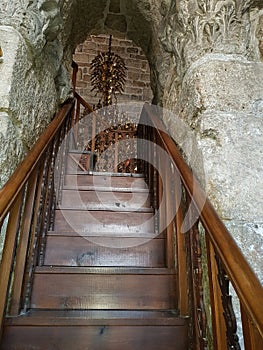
point(84, 103)
point(26, 207)
point(87, 106)
point(16, 182)
point(244, 280)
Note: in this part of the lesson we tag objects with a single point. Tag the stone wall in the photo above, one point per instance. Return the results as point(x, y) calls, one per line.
point(206, 61)
point(215, 87)
point(137, 85)
point(30, 71)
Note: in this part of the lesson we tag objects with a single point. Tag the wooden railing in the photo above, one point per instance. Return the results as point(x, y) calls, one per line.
point(176, 191)
point(27, 204)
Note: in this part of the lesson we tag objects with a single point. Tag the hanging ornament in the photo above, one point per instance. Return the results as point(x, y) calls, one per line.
point(108, 75)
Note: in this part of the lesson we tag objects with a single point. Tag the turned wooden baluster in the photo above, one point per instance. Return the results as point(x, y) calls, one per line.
point(22, 249)
point(228, 310)
point(183, 302)
point(9, 252)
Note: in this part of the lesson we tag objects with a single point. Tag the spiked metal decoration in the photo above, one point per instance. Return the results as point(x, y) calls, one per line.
point(108, 75)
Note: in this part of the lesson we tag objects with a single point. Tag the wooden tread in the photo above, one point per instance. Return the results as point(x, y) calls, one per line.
point(109, 251)
point(105, 270)
point(103, 288)
point(99, 336)
point(97, 317)
point(105, 183)
point(123, 234)
point(101, 200)
point(103, 221)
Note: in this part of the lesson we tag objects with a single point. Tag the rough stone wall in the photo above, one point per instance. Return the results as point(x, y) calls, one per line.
point(216, 86)
point(29, 73)
point(137, 85)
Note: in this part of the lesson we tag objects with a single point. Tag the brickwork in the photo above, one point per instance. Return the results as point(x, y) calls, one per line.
point(137, 87)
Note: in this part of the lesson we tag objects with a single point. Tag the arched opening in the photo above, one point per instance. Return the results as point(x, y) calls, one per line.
point(136, 28)
point(137, 83)
point(115, 128)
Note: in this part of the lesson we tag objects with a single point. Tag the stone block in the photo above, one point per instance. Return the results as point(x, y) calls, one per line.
point(115, 6)
point(116, 22)
point(221, 100)
point(10, 39)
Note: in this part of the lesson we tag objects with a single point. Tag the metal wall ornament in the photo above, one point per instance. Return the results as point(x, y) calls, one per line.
point(108, 75)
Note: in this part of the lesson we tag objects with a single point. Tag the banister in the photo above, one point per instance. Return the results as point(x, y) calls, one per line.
point(244, 280)
point(18, 179)
point(84, 103)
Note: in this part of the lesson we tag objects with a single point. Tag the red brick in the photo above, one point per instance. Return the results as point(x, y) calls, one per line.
point(138, 77)
point(132, 50)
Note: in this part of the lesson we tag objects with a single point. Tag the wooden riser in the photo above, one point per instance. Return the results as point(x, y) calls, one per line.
point(105, 288)
point(116, 183)
point(99, 200)
point(103, 221)
point(78, 251)
point(96, 338)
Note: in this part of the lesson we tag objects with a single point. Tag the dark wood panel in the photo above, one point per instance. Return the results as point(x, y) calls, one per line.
point(78, 251)
point(96, 338)
point(117, 201)
point(103, 221)
point(103, 291)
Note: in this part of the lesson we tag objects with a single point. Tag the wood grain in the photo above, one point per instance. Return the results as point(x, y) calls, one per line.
point(103, 221)
point(99, 337)
point(79, 251)
point(93, 200)
point(104, 291)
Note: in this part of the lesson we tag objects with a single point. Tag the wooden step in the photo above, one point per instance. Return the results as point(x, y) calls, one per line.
point(105, 183)
point(103, 221)
point(96, 317)
point(106, 235)
point(103, 288)
point(96, 330)
point(100, 200)
point(111, 251)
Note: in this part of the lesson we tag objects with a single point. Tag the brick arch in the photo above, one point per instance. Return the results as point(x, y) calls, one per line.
point(137, 85)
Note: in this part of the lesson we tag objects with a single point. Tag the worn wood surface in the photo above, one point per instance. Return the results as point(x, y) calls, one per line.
point(107, 183)
point(97, 317)
point(100, 200)
point(99, 290)
point(98, 337)
point(103, 221)
point(109, 251)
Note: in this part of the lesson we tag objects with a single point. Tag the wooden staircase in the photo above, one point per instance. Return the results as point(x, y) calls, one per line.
point(95, 272)
point(102, 282)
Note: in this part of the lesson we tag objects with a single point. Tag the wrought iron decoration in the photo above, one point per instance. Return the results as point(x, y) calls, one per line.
point(108, 75)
